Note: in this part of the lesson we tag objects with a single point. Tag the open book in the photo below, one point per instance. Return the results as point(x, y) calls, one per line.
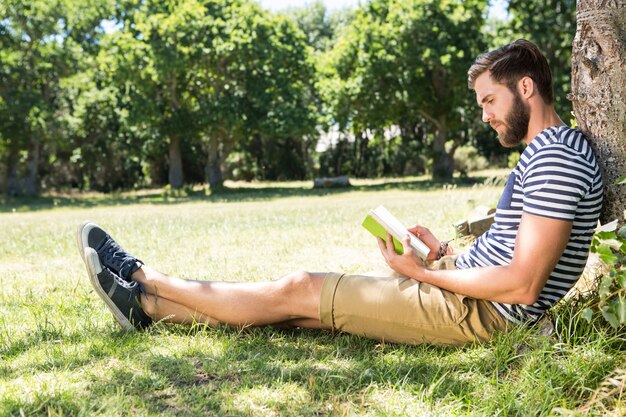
point(380, 221)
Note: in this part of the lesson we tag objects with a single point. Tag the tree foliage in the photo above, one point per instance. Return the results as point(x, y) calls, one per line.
point(551, 25)
point(609, 299)
point(43, 43)
point(111, 94)
point(404, 64)
point(212, 73)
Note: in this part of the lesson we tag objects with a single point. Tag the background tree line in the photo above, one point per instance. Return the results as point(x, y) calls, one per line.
point(116, 94)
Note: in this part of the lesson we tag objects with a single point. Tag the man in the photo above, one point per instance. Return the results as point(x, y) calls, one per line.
point(532, 255)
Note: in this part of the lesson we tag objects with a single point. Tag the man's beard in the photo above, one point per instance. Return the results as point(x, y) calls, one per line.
point(515, 123)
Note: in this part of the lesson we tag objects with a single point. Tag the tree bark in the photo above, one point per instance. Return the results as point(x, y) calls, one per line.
point(443, 163)
point(599, 91)
point(214, 165)
point(12, 180)
point(175, 176)
point(3, 176)
point(31, 186)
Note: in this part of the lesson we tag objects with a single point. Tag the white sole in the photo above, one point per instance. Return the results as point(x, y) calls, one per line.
point(81, 238)
point(93, 269)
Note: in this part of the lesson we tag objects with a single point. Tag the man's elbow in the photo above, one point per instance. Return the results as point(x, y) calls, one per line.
point(528, 294)
point(528, 287)
point(519, 296)
point(528, 298)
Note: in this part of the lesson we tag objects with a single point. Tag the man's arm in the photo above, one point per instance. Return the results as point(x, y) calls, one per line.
point(539, 244)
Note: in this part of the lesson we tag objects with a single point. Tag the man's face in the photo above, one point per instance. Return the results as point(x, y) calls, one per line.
point(504, 109)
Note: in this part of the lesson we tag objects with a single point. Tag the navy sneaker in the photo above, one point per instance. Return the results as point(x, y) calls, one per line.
point(112, 256)
point(122, 297)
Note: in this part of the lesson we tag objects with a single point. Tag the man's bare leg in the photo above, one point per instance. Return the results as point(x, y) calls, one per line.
point(292, 300)
point(162, 309)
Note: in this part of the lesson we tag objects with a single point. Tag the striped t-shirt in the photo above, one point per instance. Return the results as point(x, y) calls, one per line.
point(557, 177)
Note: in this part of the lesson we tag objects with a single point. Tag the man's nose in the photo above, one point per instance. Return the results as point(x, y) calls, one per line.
point(487, 116)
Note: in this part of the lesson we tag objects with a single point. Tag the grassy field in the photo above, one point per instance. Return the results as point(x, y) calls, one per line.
point(61, 353)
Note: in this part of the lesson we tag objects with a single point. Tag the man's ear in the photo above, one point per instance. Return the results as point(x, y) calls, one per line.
point(526, 87)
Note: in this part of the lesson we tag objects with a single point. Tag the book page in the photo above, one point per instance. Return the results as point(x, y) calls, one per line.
point(398, 230)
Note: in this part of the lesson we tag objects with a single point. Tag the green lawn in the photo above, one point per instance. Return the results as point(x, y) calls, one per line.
point(61, 353)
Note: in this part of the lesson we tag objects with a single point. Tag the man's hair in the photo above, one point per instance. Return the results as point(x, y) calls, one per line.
point(510, 63)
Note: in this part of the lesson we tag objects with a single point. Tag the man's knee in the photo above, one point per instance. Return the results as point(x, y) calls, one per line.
point(300, 284)
point(299, 294)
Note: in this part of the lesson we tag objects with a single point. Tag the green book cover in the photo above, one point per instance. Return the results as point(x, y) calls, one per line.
point(379, 231)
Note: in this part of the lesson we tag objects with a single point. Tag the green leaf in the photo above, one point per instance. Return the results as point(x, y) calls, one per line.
point(606, 254)
point(612, 243)
point(604, 289)
point(605, 235)
point(610, 317)
point(618, 306)
point(621, 233)
point(587, 314)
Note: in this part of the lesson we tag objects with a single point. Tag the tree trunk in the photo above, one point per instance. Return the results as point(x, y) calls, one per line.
point(31, 188)
point(214, 165)
point(12, 180)
point(175, 176)
point(443, 164)
point(599, 91)
point(361, 142)
point(3, 177)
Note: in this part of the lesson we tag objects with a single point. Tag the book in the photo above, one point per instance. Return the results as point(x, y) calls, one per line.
point(379, 221)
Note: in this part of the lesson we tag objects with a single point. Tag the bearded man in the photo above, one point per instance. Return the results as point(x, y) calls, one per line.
point(531, 256)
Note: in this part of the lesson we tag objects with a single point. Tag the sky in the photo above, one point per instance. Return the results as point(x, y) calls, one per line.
point(498, 8)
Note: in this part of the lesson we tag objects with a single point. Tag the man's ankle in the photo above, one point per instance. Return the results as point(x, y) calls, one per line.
point(140, 274)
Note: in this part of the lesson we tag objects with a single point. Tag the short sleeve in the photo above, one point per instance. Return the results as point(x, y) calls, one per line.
point(554, 182)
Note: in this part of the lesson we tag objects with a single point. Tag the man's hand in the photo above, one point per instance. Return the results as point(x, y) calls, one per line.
point(407, 264)
point(428, 238)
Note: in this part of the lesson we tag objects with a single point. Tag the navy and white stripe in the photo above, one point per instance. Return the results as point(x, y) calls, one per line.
point(557, 177)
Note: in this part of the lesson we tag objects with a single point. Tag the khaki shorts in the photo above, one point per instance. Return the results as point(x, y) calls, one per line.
point(398, 309)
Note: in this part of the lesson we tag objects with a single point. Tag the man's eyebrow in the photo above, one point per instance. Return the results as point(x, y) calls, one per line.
point(487, 97)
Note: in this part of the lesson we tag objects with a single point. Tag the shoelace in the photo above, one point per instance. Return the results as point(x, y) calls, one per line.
point(114, 256)
point(129, 285)
point(139, 318)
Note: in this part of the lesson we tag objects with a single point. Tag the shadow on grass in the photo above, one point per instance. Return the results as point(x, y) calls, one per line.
point(285, 372)
point(298, 372)
point(178, 370)
point(235, 194)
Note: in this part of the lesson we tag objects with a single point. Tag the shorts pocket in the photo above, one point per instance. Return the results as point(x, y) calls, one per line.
point(434, 306)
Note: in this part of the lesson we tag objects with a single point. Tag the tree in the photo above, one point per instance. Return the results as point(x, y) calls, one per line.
point(320, 25)
point(404, 64)
point(210, 72)
point(156, 60)
point(598, 92)
point(551, 25)
point(42, 45)
point(99, 151)
point(277, 102)
point(314, 20)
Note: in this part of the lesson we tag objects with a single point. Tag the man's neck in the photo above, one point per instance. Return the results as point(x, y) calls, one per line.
point(544, 117)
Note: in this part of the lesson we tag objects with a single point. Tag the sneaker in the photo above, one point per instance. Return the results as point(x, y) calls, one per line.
point(112, 256)
point(122, 297)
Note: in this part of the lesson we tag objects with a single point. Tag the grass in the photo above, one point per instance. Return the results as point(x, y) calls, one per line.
point(61, 353)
